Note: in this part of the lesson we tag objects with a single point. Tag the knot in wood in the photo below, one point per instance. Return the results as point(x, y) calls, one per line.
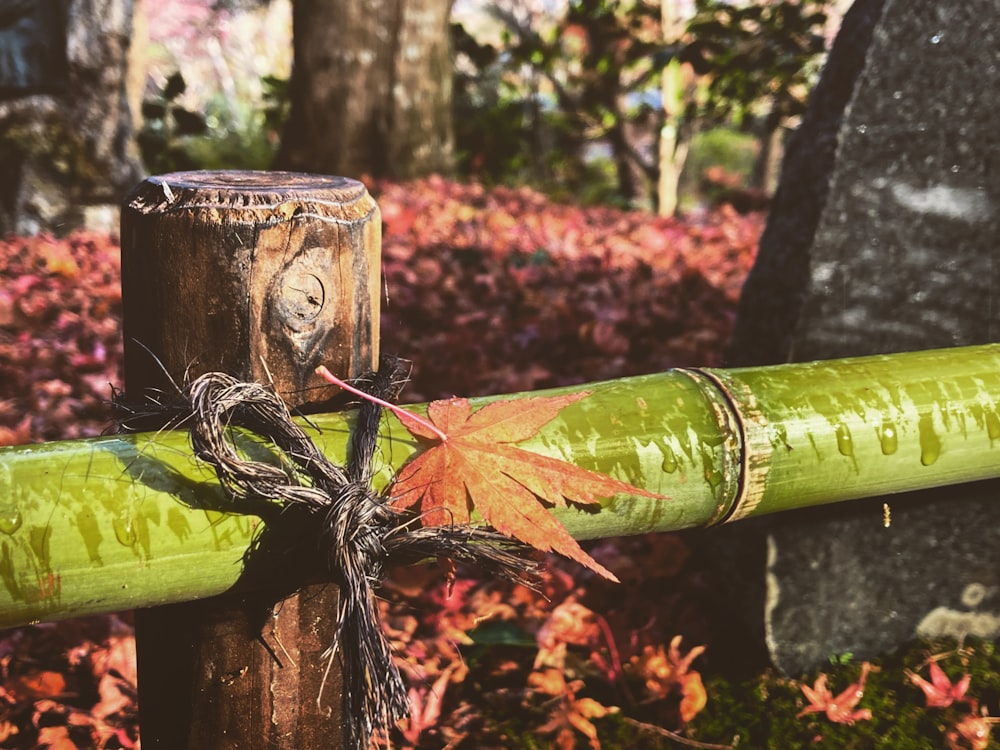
point(300, 298)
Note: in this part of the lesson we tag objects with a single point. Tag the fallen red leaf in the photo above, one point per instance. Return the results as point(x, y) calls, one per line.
point(693, 696)
point(425, 707)
point(665, 671)
point(568, 712)
point(839, 708)
point(569, 623)
point(972, 732)
point(17, 435)
point(55, 738)
point(940, 691)
point(36, 685)
point(478, 467)
point(7, 730)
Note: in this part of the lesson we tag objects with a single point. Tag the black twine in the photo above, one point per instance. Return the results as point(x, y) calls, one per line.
point(326, 522)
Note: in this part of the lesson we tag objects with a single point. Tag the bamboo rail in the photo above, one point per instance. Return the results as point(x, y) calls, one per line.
point(121, 522)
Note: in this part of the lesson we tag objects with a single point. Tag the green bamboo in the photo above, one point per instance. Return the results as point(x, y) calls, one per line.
point(829, 431)
point(120, 522)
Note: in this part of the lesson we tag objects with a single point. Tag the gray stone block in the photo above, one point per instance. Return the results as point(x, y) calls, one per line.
point(893, 247)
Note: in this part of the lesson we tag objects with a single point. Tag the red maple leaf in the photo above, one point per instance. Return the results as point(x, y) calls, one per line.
point(667, 671)
point(478, 466)
point(475, 464)
point(568, 712)
point(840, 708)
point(972, 732)
point(940, 691)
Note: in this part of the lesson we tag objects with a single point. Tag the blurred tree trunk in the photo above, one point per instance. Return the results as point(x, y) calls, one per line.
point(673, 141)
point(65, 122)
point(371, 88)
point(767, 165)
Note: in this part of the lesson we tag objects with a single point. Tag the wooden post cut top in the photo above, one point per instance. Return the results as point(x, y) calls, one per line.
point(257, 194)
point(263, 275)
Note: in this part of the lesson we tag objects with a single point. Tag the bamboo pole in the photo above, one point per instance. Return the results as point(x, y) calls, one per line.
point(129, 521)
point(262, 275)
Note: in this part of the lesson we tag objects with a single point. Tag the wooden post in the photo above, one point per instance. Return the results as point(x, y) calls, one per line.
point(263, 275)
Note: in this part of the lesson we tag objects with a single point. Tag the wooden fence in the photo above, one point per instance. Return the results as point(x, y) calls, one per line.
point(267, 275)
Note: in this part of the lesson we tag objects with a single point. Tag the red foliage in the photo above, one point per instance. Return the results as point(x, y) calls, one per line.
point(940, 691)
point(85, 697)
point(838, 708)
point(667, 672)
point(501, 291)
point(972, 732)
point(60, 336)
point(569, 712)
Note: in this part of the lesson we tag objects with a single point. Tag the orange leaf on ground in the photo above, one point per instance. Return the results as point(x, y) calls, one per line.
point(668, 670)
point(568, 712)
point(7, 730)
point(940, 691)
point(972, 732)
point(55, 738)
point(477, 466)
point(425, 707)
point(36, 685)
point(840, 708)
point(694, 698)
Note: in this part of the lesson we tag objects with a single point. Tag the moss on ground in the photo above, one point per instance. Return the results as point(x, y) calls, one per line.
point(764, 711)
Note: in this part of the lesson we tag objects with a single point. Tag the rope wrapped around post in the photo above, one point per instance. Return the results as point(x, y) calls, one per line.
point(325, 522)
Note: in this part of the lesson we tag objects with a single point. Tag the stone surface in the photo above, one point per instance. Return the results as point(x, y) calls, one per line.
point(775, 288)
point(903, 257)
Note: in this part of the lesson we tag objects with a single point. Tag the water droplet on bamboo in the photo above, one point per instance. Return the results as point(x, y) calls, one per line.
point(930, 443)
point(709, 470)
point(124, 531)
point(714, 478)
point(993, 425)
point(845, 443)
point(888, 438)
point(669, 464)
point(10, 519)
point(715, 439)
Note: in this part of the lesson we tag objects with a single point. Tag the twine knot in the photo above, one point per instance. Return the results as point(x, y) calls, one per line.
point(323, 521)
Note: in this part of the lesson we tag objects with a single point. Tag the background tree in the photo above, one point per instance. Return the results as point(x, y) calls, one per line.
point(674, 140)
point(757, 62)
point(609, 53)
point(371, 88)
point(584, 77)
point(65, 121)
point(635, 80)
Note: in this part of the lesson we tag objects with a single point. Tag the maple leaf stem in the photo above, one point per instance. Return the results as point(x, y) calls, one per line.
point(399, 411)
